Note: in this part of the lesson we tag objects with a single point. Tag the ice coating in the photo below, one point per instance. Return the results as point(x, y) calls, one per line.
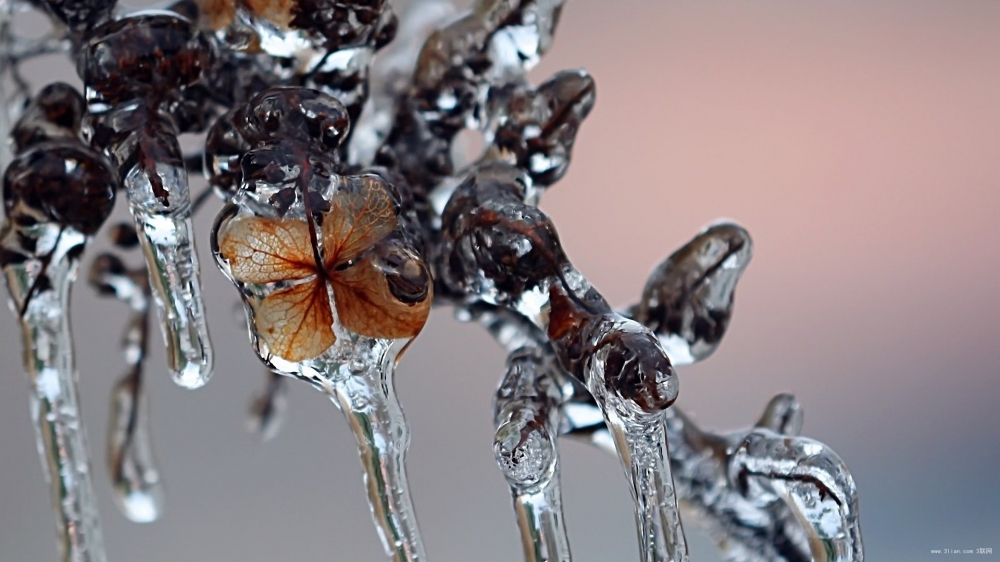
point(503, 251)
point(526, 411)
point(390, 76)
point(535, 127)
point(343, 225)
point(363, 390)
point(56, 193)
point(319, 44)
point(497, 249)
point(333, 281)
point(138, 490)
point(812, 481)
point(495, 41)
point(688, 299)
point(133, 125)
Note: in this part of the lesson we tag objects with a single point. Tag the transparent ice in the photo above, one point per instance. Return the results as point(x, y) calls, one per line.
point(526, 411)
point(48, 359)
point(298, 105)
point(167, 237)
point(135, 479)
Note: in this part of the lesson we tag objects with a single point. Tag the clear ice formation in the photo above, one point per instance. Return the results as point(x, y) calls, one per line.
point(332, 280)
point(335, 134)
point(135, 479)
point(526, 411)
point(132, 67)
point(688, 299)
point(57, 193)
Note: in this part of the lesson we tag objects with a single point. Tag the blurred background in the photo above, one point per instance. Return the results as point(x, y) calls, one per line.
point(857, 141)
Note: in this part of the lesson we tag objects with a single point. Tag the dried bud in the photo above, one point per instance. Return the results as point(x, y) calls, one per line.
point(65, 183)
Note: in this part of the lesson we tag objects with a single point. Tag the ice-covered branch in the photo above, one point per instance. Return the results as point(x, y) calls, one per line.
point(134, 68)
point(57, 193)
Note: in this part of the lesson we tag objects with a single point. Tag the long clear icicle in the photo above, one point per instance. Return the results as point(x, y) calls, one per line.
point(130, 67)
point(641, 442)
point(167, 238)
point(526, 411)
point(363, 389)
point(55, 409)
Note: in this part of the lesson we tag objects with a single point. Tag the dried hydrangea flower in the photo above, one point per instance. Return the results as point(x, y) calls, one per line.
point(296, 322)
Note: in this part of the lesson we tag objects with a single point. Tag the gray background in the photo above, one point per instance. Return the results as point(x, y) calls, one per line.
point(859, 142)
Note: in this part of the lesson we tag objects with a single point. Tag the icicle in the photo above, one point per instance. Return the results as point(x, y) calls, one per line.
point(363, 390)
point(168, 245)
point(633, 383)
point(526, 411)
point(138, 491)
point(56, 194)
point(641, 442)
point(54, 402)
point(124, 67)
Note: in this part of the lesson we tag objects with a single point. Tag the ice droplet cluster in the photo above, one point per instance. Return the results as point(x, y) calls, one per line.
point(334, 133)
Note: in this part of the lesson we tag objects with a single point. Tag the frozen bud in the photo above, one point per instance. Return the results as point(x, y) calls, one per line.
point(626, 357)
point(783, 415)
point(537, 127)
point(223, 148)
point(688, 299)
point(62, 183)
point(54, 114)
point(147, 55)
point(295, 114)
point(497, 242)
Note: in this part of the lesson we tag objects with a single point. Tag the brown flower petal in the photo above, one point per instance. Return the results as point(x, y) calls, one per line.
point(296, 323)
point(266, 250)
point(365, 304)
point(357, 222)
